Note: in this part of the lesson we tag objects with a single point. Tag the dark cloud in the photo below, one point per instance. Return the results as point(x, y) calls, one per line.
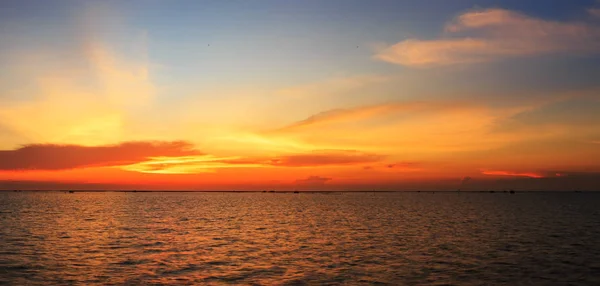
point(313, 181)
point(555, 181)
point(403, 165)
point(59, 157)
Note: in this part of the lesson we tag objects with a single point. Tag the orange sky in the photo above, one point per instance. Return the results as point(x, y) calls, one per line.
point(108, 97)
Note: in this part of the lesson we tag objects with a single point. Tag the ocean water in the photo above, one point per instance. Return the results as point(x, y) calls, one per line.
point(53, 238)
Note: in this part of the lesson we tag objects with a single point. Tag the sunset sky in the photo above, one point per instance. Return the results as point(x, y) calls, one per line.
point(307, 95)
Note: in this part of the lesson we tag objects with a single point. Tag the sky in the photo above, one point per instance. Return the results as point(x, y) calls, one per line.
point(300, 95)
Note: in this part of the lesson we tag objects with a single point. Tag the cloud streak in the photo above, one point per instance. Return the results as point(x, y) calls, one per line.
point(365, 112)
point(490, 34)
point(61, 157)
point(208, 163)
point(513, 174)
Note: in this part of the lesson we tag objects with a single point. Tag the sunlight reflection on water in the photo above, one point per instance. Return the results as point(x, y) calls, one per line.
point(298, 239)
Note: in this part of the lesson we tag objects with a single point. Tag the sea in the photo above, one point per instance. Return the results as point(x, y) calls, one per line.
point(339, 238)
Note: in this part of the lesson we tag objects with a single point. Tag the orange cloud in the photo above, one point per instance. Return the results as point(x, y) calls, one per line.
point(364, 112)
point(59, 157)
point(336, 115)
point(513, 174)
point(490, 34)
point(414, 128)
point(326, 158)
point(208, 163)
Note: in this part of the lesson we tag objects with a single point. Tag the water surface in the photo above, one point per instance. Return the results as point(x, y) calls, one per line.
point(299, 239)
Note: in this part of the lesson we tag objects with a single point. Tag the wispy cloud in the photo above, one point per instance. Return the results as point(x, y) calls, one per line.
point(209, 163)
point(189, 164)
point(413, 127)
point(485, 35)
point(512, 174)
point(560, 115)
point(326, 158)
point(364, 112)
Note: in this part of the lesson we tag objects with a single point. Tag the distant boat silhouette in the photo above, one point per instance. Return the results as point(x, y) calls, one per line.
point(70, 192)
point(512, 191)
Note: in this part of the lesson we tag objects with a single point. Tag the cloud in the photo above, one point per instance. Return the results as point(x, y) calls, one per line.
point(335, 115)
point(189, 164)
point(313, 181)
point(396, 167)
point(326, 158)
point(310, 159)
point(412, 126)
point(578, 112)
point(513, 174)
point(594, 12)
point(60, 157)
point(485, 35)
point(364, 112)
point(465, 180)
point(209, 163)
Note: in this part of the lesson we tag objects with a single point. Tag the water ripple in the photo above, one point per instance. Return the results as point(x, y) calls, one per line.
point(306, 239)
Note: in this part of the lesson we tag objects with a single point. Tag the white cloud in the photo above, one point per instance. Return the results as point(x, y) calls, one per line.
point(485, 35)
